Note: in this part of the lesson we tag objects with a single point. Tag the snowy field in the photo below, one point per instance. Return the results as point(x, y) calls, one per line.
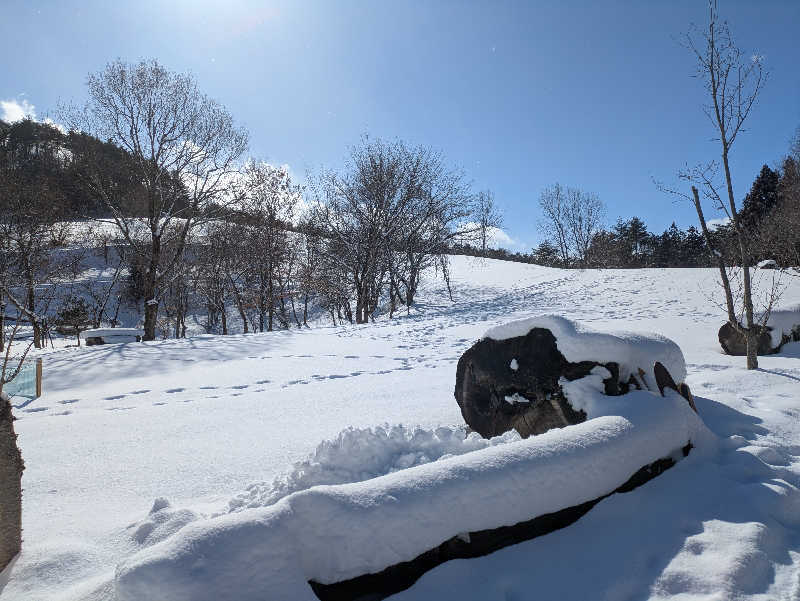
point(213, 425)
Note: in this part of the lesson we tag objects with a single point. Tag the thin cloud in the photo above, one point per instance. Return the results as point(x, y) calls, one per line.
point(16, 110)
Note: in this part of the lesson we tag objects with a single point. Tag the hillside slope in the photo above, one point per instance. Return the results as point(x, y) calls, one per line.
point(204, 422)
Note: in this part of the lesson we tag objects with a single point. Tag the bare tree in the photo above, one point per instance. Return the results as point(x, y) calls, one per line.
point(182, 148)
point(34, 224)
point(553, 201)
point(584, 217)
point(268, 204)
point(732, 81)
point(387, 216)
point(487, 216)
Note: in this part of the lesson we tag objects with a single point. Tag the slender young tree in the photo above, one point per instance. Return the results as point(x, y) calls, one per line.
point(733, 81)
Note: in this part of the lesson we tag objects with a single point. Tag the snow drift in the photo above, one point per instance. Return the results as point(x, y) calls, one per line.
point(333, 533)
point(358, 454)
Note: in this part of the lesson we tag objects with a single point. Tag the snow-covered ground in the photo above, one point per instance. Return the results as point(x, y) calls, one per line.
point(213, 425)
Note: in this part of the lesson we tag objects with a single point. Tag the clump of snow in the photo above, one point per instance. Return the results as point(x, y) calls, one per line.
point(515, 398)
point(587, 394)
point(784, 322)
point(514, 365)
point(332, 533)
point(631, 350)
point(162, 522)
point(358, 454)
point(767, 264)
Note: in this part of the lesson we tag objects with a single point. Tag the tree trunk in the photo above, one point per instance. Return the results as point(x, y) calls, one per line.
point(270, 304)
point(151, 279)
point(752, 338)
point(240, 306)
point(31, 306)
point(150, 318)
point(723, 272)
point(11, 467)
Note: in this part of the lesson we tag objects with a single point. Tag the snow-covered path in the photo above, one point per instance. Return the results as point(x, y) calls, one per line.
point(197, 420)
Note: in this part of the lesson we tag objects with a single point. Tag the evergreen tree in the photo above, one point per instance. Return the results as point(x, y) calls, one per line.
point(763, 196)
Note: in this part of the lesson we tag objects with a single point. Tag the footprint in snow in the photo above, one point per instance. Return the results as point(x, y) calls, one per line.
point(262, 382)
point(140, 392)
point(35, 410)
point(240, 387)
point(174, 390)
point(116, 397)
point(159, 404)
point(208, 388)
point(68, 401)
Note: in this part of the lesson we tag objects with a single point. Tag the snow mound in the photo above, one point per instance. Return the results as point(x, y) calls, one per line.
point(784, 322)
point(631, 350)
point(162, 522)
point(332, 533)
point(358, 454)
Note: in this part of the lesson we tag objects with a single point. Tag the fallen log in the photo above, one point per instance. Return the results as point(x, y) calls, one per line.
point(399, 577)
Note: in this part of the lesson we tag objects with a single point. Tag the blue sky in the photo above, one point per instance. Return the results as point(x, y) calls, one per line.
point(520, 95)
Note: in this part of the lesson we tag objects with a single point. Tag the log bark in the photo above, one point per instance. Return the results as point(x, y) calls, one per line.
point(11, 467)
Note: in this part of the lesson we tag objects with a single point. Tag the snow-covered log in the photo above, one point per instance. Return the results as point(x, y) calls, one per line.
point(782, 326)
point(519, 375)
point(328, 534)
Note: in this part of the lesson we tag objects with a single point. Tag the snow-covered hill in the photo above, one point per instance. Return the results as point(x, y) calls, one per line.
point(209, 423)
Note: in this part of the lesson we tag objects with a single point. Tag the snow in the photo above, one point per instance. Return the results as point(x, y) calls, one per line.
point(358, 454)
point(515, 398)
point(333, 533)
point(587, 394)
point(784, 322)
point(200, 421)
point(767, 264)
point(112, 332)
point(514, 365)
point(632, 351)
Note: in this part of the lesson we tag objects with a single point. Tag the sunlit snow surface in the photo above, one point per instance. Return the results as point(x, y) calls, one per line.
point(199, 421)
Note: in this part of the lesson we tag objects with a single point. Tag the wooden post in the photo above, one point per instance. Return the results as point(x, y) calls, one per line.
point(38, 377)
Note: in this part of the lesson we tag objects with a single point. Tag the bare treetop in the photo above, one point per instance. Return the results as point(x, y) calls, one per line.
point(169, 128)
point(732, 78)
